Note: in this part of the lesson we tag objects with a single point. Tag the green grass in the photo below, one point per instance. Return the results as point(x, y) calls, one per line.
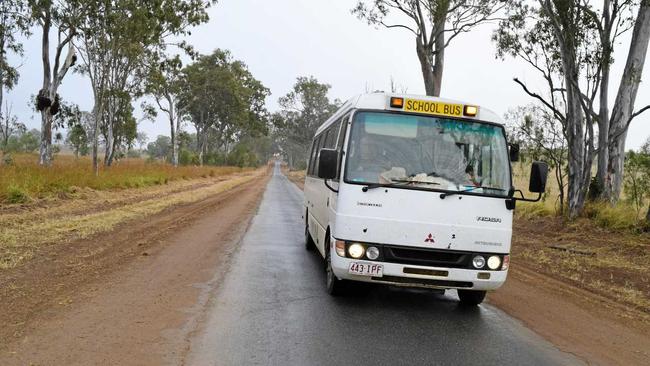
point(24, 180)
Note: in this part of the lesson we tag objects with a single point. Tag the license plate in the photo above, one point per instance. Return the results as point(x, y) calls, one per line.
point(437, 108)
point(366, 269)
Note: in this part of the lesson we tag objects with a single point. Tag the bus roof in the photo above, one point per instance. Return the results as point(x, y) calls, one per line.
point(381, 101)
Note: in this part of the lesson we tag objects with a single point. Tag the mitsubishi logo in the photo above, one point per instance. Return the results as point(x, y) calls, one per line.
point(429, 239)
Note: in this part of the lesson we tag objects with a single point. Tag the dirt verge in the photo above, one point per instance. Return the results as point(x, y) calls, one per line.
point(127, 296)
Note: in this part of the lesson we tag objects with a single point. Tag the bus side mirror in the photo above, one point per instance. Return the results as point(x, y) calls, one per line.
point(327, 162)
point(514, 152)
point(538, 175)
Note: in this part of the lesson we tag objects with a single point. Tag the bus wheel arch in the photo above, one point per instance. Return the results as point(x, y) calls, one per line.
point(335, 286)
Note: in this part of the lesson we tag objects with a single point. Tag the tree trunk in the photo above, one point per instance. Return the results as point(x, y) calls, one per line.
point(173, 131)
point(45, 150)
point(578, 159)
point(647, 216)
point(96, 116)
point(2, 87)
point(597, 191)
point(174, 142)
point(432, 65)
point(624, 104)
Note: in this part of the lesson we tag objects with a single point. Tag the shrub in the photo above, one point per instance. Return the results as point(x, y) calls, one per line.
point(16, 194)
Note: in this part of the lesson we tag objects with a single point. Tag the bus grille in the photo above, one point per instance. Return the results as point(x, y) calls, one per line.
point(426, 257)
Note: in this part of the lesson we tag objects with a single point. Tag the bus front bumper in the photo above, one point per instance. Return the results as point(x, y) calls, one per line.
point(420, 276)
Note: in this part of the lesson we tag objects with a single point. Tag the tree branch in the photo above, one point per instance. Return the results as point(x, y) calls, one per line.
point(629, 121)
point(557, 113)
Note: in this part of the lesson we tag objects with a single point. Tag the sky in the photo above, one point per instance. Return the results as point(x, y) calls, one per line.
point(281, 40)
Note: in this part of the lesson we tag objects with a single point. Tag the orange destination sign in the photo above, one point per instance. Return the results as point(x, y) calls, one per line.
point(437, 108)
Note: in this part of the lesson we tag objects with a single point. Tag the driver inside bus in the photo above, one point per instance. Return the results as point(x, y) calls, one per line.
point(371, 161)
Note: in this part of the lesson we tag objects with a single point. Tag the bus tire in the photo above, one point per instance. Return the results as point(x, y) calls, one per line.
point(471, 297)
point(309, 242)
point(335, 286)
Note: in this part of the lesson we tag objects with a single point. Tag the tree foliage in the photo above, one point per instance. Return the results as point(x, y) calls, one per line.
point(433, 23)
point(122, 40)
point(570, 44)
point(223, 101)
point(304, 109)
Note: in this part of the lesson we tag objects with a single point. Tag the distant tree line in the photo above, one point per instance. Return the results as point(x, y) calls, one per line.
point(128, 50)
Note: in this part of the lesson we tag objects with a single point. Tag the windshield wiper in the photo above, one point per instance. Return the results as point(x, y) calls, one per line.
point(447, 194)
point(371, 186)
point(377, 185)
point(414, 181)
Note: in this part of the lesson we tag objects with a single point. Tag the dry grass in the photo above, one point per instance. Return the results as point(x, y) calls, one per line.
point(622, 217)
point(613, 263)
point(24, 230)
point(25, 180)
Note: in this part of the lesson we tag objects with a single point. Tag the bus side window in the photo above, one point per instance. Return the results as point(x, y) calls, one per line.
point(332, 133)
point(321, 143)
point(312, 156)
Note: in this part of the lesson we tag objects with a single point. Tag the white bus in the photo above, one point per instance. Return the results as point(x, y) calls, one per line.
point(413, 191)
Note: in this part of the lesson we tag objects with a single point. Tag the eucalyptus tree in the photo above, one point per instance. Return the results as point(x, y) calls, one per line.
point(303, 109)
point(164, 83)
point(223, 101)
point(570, 44)
point(433, 23)
point(623, 112)
point(63, 17)
point(14, 22)
point(121, 41)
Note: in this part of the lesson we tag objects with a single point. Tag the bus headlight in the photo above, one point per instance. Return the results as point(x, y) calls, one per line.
point(494, 262)
point(372, 253)
point(356, 250)
point(478, 261)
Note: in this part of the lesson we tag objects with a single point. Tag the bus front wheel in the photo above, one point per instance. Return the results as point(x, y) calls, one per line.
point(472, 298)
point(335, 286)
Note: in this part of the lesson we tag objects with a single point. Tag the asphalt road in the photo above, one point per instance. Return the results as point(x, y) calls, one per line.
point(272, 309)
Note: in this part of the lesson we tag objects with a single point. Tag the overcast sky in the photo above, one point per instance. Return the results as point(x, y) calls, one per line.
point(283, 39)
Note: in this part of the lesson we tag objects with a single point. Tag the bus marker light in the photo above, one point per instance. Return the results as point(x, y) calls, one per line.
point(397, 102)
point(483, 276)
point(478, 261)
point(470, 111)
point(356, 250)
point(340, 248)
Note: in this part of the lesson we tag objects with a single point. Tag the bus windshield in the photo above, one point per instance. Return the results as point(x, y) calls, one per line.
point(426, 152)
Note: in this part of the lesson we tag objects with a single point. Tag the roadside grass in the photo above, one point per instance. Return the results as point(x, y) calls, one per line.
point(24, 180)
point(24, 231)
point(611, 263)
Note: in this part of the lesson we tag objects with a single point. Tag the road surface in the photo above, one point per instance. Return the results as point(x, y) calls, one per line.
point(272, 309)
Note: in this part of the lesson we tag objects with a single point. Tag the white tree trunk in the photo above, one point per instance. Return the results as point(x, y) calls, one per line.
point(45, 150)
point(624, 104)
